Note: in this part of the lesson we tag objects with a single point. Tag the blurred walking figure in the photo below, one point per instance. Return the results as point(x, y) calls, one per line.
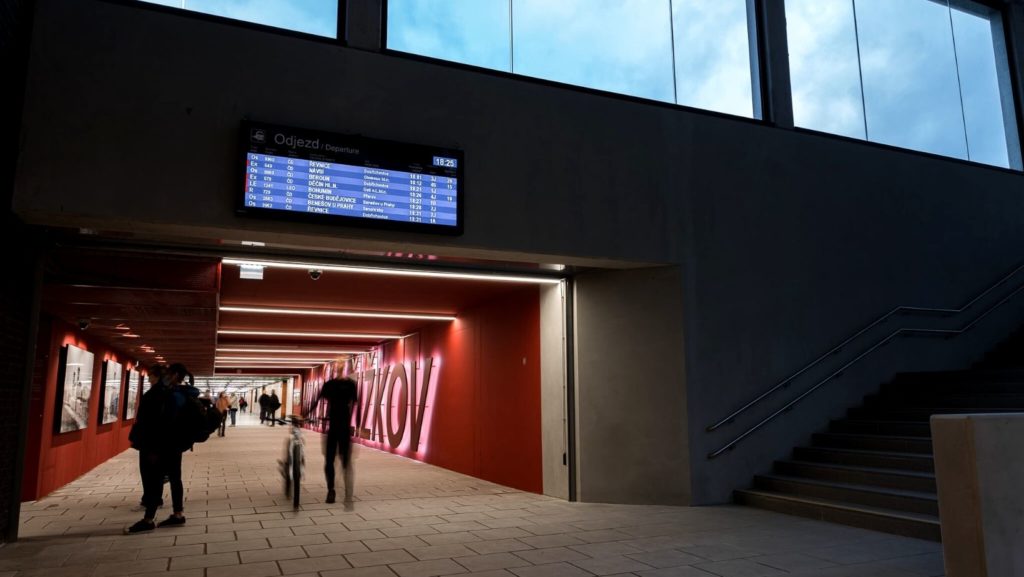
point(341, 401)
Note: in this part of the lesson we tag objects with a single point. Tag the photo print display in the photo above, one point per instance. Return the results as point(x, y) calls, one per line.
point(131, 401)
point(75, 388)
point(111, 392)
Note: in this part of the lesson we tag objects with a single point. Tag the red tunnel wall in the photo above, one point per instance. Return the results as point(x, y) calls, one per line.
point(52, 459)
point(483, 413)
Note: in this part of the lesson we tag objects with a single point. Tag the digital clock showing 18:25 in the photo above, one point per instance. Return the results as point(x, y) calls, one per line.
point(445, 162)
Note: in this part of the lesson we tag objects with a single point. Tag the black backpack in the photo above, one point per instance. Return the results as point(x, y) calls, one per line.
point(198, 419)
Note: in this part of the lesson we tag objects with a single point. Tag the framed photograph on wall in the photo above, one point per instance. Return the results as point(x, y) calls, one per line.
point(110, 392)
point(131, 397)
point(74, 387)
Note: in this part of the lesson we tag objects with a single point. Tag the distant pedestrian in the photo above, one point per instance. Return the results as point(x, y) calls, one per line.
point(264, 402)
point(233, 408)
point(272, 406)
point(223, 404)
point(243, 404)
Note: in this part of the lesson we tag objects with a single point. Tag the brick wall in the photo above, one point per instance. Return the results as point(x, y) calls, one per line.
point(17, 285)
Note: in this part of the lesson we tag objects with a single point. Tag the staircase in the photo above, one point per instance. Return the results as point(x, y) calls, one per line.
point(874, 469)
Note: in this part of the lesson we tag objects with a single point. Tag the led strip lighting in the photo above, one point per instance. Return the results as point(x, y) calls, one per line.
point(291, 351)
point(323, 313)
point(311, 335)
point(393, 271)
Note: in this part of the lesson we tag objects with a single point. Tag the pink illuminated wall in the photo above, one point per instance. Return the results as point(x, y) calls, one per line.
point(463, 395)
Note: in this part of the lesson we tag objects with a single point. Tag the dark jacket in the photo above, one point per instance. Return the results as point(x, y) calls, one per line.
point(156, 427)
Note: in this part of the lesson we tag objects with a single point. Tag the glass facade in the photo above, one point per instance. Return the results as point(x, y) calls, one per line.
point(319, 17)
point(475, 32)
point(926, 75)
point(690, 52)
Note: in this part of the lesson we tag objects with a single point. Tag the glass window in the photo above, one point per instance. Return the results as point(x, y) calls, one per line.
point(472, 32)
point(930, 75)
point(823, 66)
point(911, 92)
point(985, 86)
point(712, 53)
point(622, 46)
point(318, 17)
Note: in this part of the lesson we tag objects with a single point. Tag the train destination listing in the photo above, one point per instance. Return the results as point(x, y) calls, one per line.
point(309, 186)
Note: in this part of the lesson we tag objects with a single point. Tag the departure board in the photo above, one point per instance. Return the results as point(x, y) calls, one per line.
point(351, 179)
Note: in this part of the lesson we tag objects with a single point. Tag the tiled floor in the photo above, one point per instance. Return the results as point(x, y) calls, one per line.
point(415, 520)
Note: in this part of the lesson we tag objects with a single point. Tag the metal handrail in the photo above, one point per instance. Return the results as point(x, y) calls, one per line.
point(900, 309)
point(946, 332)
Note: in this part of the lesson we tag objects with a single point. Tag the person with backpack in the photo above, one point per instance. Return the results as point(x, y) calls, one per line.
point(242, 404)
point(161, 435)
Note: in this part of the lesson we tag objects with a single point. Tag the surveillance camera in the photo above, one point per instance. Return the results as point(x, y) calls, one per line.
point(314, 273)
point(83, 324)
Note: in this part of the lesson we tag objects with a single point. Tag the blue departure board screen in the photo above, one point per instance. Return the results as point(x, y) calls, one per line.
point(354, 180)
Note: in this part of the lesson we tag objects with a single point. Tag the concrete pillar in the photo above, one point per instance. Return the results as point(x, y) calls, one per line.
point(1014, 25)
point(554, 432)
point(981, 507)
point(364, 22)
point(631, 411)
point(776, 94)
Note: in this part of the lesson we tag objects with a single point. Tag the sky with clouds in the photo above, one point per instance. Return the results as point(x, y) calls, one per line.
point(911, 73)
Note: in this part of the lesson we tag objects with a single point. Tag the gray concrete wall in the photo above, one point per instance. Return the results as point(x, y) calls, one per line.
point(788, 241)
point(630, 397)
point(554, 432)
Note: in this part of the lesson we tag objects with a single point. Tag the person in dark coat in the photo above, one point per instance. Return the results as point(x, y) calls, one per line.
point(264, 401)
point(341, 397)
point(161, 441)
point(273, 404)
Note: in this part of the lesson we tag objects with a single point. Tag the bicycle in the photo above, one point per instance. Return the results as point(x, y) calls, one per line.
point(294, 461)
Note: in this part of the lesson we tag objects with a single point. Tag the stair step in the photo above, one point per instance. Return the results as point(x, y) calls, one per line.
point(898, 499)
point(917, 413)
point(872, 476)
point(993, 375)
point(882, 427)
point(858, 457)
point(874, 518)
point(874, 442)
point(970, 387)
point(1010, 401)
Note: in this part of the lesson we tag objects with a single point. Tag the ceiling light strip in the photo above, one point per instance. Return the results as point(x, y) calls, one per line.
point(306, 359)
point(324, 313)
point(311, 335)
point(292, 351)
point(394, 271)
